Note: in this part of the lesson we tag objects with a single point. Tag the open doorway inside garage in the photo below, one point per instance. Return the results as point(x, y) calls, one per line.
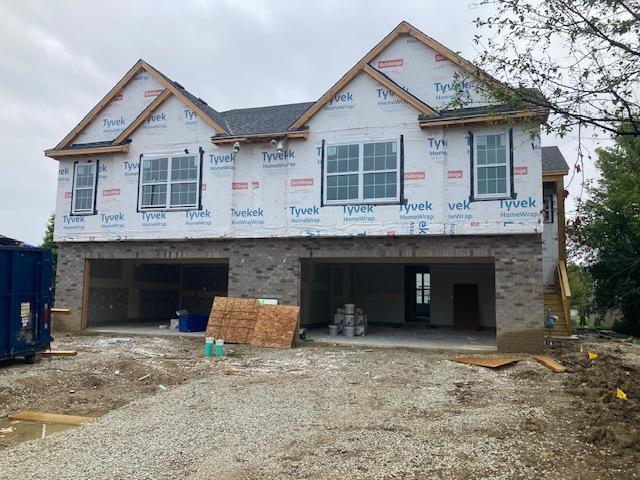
point(142, 296)
point(431, 303)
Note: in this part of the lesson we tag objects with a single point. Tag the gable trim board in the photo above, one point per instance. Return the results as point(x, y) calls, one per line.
point(411, 99)
point(93, 113)
point(139, 66)
point(133, 126)
point(162, 80)
point(404, 28)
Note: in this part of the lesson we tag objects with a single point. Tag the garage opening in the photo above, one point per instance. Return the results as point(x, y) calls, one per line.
point(435, 304)
point(143, 296)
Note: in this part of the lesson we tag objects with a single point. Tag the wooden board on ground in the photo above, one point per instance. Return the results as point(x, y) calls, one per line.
point(49, 417)
point(64, 311)
point(60, 353)
point(486, 362)
point(550, 363)
point(232, 319)
point(276, 326)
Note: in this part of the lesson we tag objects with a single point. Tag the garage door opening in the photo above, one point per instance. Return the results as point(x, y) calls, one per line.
point(435, 304)
point(143, 296)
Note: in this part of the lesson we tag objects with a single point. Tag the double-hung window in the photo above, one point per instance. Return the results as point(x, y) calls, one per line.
point(85, 177)
point(492, 169)
point(170, 182)
point(362, 173)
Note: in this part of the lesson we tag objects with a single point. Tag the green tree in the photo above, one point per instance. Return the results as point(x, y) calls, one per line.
point(582, 55)
point(607, 232)
point(47, 242)
point(581, 295)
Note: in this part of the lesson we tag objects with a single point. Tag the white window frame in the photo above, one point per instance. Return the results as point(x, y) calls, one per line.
point(169, 182)
point(477, 166)
point(361, 173)
point(94, 184)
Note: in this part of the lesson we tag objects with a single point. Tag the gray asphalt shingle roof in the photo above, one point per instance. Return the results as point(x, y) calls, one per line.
point(553, 160)
point(272, 119)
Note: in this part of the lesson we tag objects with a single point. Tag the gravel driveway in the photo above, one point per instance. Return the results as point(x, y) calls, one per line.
point(330, 412)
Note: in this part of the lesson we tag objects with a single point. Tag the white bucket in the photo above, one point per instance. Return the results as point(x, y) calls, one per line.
point(333, 330)
point(349, 331)
point(358, 330)
point(349, 319)
point(338, 318)
point(349, 308)
point(174, 323)
point(359, 319)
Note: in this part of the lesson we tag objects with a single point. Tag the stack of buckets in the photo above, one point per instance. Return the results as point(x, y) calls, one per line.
point(349, 321)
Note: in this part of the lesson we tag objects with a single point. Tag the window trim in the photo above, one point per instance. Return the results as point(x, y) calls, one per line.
point(549, 207)
point(94, 190)
point(510, 194)
point(399, 199)
point(167, 206)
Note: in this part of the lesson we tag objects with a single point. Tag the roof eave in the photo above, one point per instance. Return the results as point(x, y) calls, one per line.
point(78, 152)
point(259, 137)
point(486, 118)
point(555, 173)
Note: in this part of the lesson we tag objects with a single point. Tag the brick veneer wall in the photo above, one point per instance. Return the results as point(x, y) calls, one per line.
point(271, 268)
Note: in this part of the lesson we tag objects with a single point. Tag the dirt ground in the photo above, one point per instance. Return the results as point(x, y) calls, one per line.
point(325, 412)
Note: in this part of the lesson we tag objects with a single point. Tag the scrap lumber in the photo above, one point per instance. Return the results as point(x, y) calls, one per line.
point(486, 361)
point(64, 311)
point(550, 363)
point(49, 417)
point(232, 319)
point(276, 326)
point(60, 353)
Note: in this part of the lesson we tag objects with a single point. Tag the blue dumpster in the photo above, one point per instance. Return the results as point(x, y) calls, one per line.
point(25, 302)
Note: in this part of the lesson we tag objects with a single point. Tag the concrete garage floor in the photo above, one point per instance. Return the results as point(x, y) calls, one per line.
point(413, 337)
point(377, 336)
point(141, 328)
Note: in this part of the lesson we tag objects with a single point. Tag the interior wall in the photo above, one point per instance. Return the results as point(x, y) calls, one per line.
point(443, 277)
point(378, 289)
point(126, 290)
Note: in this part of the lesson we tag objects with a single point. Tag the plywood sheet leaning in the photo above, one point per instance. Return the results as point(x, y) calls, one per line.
point(232, 319)
point(276, 326)
point(550, 363)
point(485, 361)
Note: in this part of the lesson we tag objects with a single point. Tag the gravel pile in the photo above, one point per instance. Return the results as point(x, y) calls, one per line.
point(326, 412)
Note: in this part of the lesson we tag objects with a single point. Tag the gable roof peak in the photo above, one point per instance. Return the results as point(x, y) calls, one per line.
point(403, 28)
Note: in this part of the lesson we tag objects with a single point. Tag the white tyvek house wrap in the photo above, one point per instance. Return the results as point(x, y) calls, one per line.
point(122, 110)
point(257, 193)
point(425, 73)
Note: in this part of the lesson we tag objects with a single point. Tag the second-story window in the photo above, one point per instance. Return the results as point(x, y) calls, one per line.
point(362, 173)
point(169, 182)
point(85, 177)
point(492, 172)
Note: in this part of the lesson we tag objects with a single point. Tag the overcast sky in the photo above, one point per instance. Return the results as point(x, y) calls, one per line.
point(59, 58)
